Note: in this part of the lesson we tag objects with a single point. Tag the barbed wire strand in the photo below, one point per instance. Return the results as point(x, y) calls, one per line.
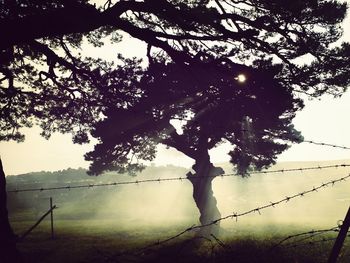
point(236, 215)
point(327, 144)
point(273, 204)
point(71, 187)
point(311, 242)
point(310, 234)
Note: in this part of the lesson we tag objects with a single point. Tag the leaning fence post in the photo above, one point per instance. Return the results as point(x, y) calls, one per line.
point(36, 224)
point(51, 215)
point(340, 239)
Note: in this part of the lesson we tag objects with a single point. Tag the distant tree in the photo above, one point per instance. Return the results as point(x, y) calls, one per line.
point(45, 79)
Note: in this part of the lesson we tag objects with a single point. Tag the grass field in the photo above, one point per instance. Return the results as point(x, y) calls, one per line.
point(103, 241)
point(111, 224)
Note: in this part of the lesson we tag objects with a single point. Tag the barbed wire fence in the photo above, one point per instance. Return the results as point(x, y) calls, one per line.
point(292, 241)
point(143, 250)
point(181, 178)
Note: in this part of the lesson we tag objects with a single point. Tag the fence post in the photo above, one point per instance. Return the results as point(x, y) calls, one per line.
point(340, 239)
point(36, 224)
point(51, 215)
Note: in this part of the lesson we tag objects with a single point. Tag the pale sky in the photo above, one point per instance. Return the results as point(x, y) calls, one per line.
point(325, 120)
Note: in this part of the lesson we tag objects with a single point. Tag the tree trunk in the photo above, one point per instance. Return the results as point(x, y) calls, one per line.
point(203, 195)
point(8, 250)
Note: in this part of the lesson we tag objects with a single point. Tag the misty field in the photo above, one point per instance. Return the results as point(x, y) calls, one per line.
point(113, 224)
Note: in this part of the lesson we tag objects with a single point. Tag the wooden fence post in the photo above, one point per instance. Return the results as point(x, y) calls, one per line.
point(340, 239)
point(36, 224)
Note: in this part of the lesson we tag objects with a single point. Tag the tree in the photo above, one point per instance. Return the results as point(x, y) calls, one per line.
point(8, 248)
point(250, 115)
point(46, 80)
point(217, 107)
point(61, 80)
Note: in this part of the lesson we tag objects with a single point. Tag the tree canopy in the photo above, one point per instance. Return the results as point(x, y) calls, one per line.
point(195, 50)
point(211, 104)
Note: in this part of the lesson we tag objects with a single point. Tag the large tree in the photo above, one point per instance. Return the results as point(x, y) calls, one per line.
point(45, 78)
point(216, 102)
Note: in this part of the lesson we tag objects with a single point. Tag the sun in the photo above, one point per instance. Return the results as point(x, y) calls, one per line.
point(241, 78)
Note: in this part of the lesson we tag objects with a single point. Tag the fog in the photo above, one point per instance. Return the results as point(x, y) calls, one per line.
point(322, 208)
point(169, 204)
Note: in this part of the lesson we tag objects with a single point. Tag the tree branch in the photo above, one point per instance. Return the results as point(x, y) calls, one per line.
point(178, 142)
point(52, 23)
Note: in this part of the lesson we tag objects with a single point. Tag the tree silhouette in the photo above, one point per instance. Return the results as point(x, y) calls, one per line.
point(9, 252)
point(215, 107)
point(45, 76)
point(205, 45)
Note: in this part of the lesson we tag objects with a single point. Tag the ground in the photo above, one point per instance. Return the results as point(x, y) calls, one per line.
point(111, 224)
point(99, 241)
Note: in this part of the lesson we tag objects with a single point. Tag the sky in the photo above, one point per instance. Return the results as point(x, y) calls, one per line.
point(325, 120)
